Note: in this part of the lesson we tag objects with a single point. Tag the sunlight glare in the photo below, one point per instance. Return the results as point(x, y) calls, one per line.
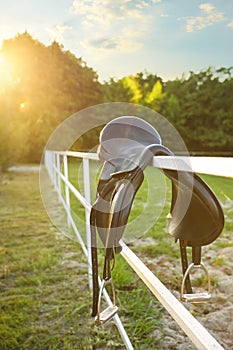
point(5, 71)
point(1, 60)
point(2, 70)
point(3, 65)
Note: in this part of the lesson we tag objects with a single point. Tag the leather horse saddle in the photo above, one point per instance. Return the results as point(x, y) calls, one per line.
point(127, 146)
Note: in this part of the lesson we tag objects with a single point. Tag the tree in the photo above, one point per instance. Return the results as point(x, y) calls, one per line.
point(46, 85)
point(142, 88)
point(200, 107)
point(116, 91)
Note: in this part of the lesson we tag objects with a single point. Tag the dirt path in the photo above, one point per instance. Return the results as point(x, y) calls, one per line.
point(217, 314)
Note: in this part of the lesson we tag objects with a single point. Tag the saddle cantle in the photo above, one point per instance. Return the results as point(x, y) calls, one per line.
point(127, 145)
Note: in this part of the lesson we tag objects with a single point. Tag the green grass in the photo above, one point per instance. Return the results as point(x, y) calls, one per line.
point(45, 303)
point(223, 188)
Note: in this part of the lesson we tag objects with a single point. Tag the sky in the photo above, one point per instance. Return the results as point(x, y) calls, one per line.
point(123, 37)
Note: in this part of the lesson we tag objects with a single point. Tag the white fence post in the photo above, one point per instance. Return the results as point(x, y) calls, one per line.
point(55, 171)
point(59, 177)
point(67, 192)
point(87, 194)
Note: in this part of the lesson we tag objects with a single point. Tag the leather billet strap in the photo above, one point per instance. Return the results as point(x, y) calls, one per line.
point(184, 264)
point(196, 260)
point(196, 255)
point(108, 265)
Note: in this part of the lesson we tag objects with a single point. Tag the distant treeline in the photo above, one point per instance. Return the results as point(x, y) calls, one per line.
point(40, 86)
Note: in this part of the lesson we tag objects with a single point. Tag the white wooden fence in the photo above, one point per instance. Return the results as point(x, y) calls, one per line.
point(56, 164)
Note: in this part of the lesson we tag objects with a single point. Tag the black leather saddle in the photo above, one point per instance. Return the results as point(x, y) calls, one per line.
point(127, 146)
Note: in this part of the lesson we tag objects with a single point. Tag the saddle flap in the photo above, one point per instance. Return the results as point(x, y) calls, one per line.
point(196, 214)
point(113, 206)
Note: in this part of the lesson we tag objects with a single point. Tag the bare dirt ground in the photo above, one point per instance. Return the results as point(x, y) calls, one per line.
point(215, 315)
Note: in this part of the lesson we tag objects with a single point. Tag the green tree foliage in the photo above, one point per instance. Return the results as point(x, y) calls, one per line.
point(42, 87)
point(117, 91)
point(13, 131)
point(199, 106)
point(142, 88)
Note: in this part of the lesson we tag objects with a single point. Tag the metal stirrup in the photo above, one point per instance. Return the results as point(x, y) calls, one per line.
point(195, 297)
point(111, 310)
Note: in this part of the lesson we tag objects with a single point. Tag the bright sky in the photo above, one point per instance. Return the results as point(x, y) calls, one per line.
point(122, 37)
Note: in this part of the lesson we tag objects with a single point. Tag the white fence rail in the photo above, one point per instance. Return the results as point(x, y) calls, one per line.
point(56, 161)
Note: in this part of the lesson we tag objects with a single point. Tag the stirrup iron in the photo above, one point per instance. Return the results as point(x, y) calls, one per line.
point(195, 297)
point(111, 310)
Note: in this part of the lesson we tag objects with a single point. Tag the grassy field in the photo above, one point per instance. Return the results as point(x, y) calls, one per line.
point(45, 301)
